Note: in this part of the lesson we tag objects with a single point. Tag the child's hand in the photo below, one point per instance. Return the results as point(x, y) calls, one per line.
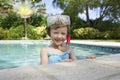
point(90, 57)
point(66, 60)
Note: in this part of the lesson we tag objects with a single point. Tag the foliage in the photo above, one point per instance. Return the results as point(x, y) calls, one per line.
point(107, 20)
point(11, 20)
point(77, 23)
point(106, 26)
point(5, 6)
point(3, 33)
point(32, 32)
point(18, 32)
point(111, 35)
point(36, 20)
point(86, 33)
point(41, 31)
point(106, 9)
point(44, 21)
point(1, 18)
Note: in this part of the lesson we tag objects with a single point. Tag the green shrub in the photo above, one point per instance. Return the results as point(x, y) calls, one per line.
point(111, 35)
point(107, 35)
point(106, 26)
point(35, 20)
point(3, 33)
point(86, 33)
point(32, 32)
point(41, 31)
point(11, 20)
point(18, 32)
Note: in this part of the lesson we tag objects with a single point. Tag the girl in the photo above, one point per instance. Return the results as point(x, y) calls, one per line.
point(58, 51)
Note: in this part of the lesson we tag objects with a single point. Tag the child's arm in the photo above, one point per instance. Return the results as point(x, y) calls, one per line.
point(44, 56)
point(72, 55)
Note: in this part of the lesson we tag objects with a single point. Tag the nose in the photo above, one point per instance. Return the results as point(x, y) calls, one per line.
point(59, 35)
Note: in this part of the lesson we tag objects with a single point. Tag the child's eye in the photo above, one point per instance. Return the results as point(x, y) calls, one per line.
point(55, 32)
point(63, 33)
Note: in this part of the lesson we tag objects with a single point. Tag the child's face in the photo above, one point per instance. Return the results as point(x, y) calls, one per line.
point(58, 35)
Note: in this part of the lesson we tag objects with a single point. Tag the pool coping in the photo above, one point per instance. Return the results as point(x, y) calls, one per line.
point(105, 44)
point(22, 41)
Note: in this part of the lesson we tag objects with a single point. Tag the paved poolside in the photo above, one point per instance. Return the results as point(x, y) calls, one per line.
point(113, 44)
point(98, 43)
point(102, 68)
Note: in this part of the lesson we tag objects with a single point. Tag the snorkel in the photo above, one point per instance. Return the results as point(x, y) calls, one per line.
point(68, 39)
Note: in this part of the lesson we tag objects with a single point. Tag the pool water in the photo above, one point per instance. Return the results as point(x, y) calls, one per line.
point(16, 55)
point(82, 51)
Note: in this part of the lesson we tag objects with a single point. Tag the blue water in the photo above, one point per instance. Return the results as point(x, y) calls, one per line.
point(82, 51)
point(16, 55)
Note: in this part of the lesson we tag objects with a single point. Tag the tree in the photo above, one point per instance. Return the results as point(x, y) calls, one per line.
point(108, 9)
point(75, 7)
point(25, 10)
point(5, 7)
point(9, 5)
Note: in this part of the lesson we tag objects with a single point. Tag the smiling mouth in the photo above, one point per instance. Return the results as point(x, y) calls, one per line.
point(58, 41)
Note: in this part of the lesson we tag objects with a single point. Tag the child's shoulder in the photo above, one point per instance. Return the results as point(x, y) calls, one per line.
point(44, 49)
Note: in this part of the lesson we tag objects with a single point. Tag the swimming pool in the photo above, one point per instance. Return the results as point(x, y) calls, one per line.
point(28, 54)
point(83, 50)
